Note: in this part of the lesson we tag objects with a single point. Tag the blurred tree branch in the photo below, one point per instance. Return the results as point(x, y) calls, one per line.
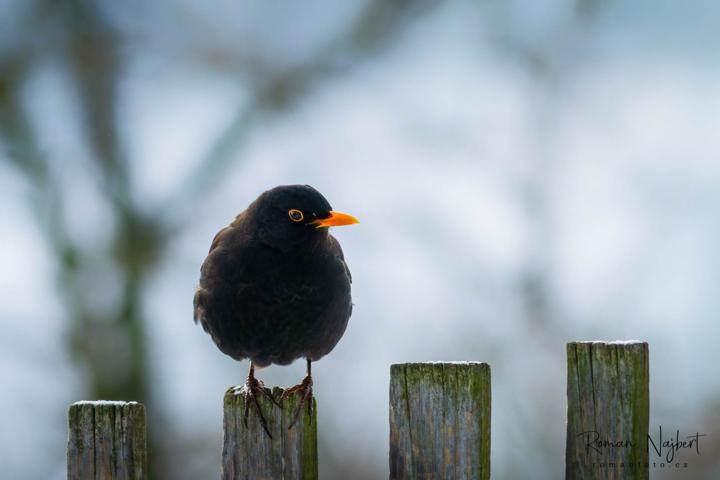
point(99, 340)
point(111, 344)
point(17, 136)
point(276, 92)
point(549, 64)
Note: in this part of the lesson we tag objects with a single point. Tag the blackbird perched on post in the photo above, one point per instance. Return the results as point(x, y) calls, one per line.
point(275, 287)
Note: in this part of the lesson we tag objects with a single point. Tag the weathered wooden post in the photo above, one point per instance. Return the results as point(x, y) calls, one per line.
point(107, 441)
point(440, 421)
point(249, 453)
point(608, 410)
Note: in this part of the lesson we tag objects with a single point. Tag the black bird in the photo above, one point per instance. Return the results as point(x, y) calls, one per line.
point(275, 287)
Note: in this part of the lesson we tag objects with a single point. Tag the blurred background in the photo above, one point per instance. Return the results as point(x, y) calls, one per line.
point(526, 174)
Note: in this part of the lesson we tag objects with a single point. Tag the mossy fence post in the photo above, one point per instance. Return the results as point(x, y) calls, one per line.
point(249, 453)
point(107, 441)
point(439, 425)
point(440, 421)
point(608, 410)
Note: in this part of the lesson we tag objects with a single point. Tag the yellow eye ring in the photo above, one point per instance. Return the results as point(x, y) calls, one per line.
point(295, 215)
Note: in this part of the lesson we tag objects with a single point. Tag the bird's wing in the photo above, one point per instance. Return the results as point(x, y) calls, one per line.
point(219, 236)
point(198, 306)
point(226, 232)
point(199, 299)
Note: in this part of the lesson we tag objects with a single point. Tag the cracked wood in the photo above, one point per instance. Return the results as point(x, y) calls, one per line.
point(248, 452)
point(608, 410)
point(107, 441)
point(440, 421)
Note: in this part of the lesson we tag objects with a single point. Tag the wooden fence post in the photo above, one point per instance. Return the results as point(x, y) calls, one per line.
point(608, 410)
point(248, 452)
point(107, 441)
point(440, 421)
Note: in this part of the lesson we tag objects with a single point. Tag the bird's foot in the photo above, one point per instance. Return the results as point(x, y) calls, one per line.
point(305, 390)
point(252, 391)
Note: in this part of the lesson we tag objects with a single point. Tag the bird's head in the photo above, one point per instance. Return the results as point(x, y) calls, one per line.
point(290, 214)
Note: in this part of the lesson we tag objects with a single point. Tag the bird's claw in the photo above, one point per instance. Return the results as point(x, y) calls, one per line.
point(306, 392)
point(252, 390)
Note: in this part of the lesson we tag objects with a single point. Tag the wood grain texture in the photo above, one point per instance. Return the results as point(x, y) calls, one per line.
point(107, 441)
point(248, 453)
point(608, 410)
point(440, 421)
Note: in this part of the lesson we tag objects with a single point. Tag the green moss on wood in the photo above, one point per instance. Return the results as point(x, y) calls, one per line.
point(608, 400)
point(440, 420)
point(106, 440)
point(249, 453)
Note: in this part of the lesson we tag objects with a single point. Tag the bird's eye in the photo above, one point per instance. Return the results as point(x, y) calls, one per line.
point(295, 215)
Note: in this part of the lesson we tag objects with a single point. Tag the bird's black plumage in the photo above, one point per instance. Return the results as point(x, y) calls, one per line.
point(274, 288)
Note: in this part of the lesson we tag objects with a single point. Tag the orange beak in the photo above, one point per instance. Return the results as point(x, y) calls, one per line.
point(335, 219)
